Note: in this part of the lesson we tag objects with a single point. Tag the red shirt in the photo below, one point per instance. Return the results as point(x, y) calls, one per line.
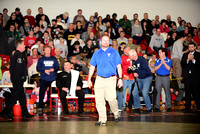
point(197, 39)
point(165, 29)
point(31, 60)
point(31, 19)
point(29, 41)
point(139, 54)
point(52, 50)
point(126, 63)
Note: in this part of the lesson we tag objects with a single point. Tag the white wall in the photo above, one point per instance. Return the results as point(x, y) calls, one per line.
point(187, 9)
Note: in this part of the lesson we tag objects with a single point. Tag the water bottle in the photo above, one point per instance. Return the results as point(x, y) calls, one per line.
point(68, 93)
point(59, 108)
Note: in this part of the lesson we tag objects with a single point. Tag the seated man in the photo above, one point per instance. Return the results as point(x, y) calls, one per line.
point(69, 82)
point(157, 41)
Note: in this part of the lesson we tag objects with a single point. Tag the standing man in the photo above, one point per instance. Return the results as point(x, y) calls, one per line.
point(144, 79)
point(191, 71)
point(177, 53)
point(69, 83)
point(162, 68)
point(128, 78)
point(107, 61)
point(18, 77)
point(47, 65)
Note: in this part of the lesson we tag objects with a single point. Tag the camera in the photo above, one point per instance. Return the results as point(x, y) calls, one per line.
point(132, 69)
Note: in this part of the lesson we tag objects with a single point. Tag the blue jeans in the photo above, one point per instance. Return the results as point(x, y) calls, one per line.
point(144, 86)
point(126, 83)
point(119, 99)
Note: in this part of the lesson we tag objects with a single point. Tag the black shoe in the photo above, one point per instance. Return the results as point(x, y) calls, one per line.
point(6, 116)
point(65, 113)
point(147, 111)
point(136, 111)
point(99, 123)
point(169, 110)
point(117, 118)
point(156, 110)
point(28, 116)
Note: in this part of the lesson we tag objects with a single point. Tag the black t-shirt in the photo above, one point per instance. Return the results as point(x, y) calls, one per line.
point(53, 29)
point(68, 36)
point(38, 18)
point(80, 30)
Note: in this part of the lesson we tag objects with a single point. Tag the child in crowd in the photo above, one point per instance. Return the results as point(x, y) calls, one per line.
point(139, 50)
point(36, 91)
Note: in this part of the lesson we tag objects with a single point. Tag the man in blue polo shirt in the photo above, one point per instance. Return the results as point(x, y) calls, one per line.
point(108, 63)
point(162, 68)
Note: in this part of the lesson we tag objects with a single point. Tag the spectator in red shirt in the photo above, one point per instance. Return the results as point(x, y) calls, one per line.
point(128, 79)
point(30, 40)
point(33, 58)
point(30, 18)
point(52, 47)
point(197, 38)
point(164, 28)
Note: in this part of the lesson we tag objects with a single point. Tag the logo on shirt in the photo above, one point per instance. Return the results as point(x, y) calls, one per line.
point(48, 63)
point(19, 60)
point(109, 54)
point(138, 65)
point(64, 76)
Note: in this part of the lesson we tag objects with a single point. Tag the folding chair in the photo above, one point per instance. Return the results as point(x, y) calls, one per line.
point(55, 98)
point(89, 98)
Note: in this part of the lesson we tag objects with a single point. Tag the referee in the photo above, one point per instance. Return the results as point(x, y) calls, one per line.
point(162, 68)
point(18, 77)
point(108, 63)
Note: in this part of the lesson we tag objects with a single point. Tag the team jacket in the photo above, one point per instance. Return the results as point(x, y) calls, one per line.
point(17, 67)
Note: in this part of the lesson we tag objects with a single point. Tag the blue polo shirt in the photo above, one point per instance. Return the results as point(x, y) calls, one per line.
point(162, 70)
point(106, 62)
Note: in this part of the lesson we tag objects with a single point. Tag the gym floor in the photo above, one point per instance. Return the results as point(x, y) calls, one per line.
point(177, 122)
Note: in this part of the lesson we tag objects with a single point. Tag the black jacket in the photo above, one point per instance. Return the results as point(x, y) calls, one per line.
point(194, 68)
point(64, 80)
point(17, 67)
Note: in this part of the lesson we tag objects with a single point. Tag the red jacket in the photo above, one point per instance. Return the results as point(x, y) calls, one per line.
point(29, 41)
point(126, 62)
point(162, 30)
point(196, 39)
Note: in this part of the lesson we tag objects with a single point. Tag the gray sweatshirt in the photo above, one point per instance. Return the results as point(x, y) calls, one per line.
point(157, 41)
point(177, 50)
point(136, 30)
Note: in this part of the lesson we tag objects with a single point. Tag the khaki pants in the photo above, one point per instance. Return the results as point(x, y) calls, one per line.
point(105, 89)
point(177, 71)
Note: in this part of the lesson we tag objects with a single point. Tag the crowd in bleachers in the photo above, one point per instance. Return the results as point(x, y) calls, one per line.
point(77, 40)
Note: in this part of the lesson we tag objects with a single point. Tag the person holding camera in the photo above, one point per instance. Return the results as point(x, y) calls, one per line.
point(143, 78)
point(162, 68)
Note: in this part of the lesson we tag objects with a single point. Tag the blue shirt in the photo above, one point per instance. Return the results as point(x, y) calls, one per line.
point(46, 63)
point(162, 70)
point(143, 70)
point(106, 62)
